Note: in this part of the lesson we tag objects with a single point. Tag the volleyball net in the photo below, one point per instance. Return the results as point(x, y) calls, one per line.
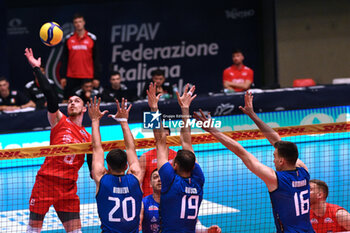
point(234, 198)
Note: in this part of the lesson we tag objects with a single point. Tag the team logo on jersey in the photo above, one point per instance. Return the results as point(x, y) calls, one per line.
point(83, 133)
point(154, 160)
point(151, 120)
point(154, 219)
point(32, 202)
point(313, 220)
point(328, 220)
point(152, 207)
point(155, 227)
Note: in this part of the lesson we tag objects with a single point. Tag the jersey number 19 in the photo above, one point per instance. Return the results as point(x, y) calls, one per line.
point(193, 204)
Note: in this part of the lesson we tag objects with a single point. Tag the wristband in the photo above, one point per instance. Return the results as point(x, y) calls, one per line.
point(120, 119)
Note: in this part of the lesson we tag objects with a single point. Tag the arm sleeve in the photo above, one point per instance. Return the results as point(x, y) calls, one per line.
point(89, 162)
point(50, 94)
point(167, 176)
point(95, 58)
point(64, 60)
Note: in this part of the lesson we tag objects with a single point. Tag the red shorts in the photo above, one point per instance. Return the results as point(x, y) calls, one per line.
point(60, 193)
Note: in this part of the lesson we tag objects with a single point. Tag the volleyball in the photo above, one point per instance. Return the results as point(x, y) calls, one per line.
point(51, 33)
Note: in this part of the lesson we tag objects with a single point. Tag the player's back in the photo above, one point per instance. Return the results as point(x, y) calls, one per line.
point(180, 199)
point(291, 201)
point(119, 203)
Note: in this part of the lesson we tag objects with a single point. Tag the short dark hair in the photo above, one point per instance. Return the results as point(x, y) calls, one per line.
point(153, 172)
point(167, 129)
point(3, 78)
point(236, 51)
point(115, 73)
point(288, 151)
point(185, 160)
point(322, 185)
point(117, 160)
point(158, 72)
point(77, 16)
point(87, 81)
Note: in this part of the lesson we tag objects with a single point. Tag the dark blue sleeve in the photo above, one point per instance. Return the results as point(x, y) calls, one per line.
point(167, 175)
point(197, 174)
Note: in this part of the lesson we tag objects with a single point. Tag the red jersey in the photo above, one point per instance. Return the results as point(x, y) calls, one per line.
point(80, 62)
point(235, 75)
point(151, 164)
point(67, 166)
point(328, 222)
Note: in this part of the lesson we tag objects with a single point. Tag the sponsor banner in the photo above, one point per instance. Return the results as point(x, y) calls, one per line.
point(189, 43)
point(81, 148)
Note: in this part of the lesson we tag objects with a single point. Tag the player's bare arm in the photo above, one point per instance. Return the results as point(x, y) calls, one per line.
point(185, 102)
point(54, 114)
point(268, 132)
point(122, 117)
point(343, 218)
point(264, 172)
point(159, 134)
point(143, 164)
point(98, 167)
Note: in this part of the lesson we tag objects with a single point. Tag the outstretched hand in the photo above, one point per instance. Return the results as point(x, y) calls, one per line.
point(31, 59)
point(152, 97)
point(94, 109)
point(203, 118)
point(186, 98)
point(122, 110)
point(214, 229)
point(248, 102)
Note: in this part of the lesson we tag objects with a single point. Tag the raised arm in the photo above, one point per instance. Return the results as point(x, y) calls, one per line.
point(264, 172)
point(122, 117)
point(98, 167)
point(159, 134)
point(54, 114)
point(185, 102)
point(343, 218)
point(268, 132)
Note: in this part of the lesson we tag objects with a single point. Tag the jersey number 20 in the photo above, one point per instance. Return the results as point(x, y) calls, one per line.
point(124, 209)
point(190, 206)
point(304, 205)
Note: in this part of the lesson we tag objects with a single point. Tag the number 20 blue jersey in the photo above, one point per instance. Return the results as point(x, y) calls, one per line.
point(119, 203)
point(180, 199)
point(291, 201)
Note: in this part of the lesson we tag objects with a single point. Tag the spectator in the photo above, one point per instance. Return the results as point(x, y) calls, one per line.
point(79, 58)
point(326, 217)
point(34, 93)
point(237, 77)
point(116, 90)
point(87, 91)
point(11, 100)
point(148, 162)
point(163, 87)
point(96, 84)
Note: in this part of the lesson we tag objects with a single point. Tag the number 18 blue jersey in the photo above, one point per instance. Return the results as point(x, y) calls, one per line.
point(291, 201)
point(180, 199)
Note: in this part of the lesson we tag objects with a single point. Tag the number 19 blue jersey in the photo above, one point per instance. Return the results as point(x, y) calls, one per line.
point(291, 201)
point(180, 199)
point(119, 203)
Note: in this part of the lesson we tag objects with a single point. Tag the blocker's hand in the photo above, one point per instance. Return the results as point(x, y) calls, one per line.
point(31, 59)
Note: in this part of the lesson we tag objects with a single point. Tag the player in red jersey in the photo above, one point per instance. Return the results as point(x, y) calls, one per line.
point(55, 182)
point(237, 77)
point(148, 162)
point(326, 217)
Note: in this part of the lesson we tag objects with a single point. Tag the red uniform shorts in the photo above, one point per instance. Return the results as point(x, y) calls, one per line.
point(49, 190)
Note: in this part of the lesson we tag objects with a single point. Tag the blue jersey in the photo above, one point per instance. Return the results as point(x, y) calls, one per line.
point(119, 203)
point(291, 201)
point(180, 199)
point(150, 223)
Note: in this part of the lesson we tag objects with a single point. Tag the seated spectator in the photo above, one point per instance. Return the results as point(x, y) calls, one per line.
point(34, 93)
point(163, 87)
point(11, 100)
point(96, 84)
point(117, 90)
point(87, 91)
point(237, 77)
point(326, 217)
